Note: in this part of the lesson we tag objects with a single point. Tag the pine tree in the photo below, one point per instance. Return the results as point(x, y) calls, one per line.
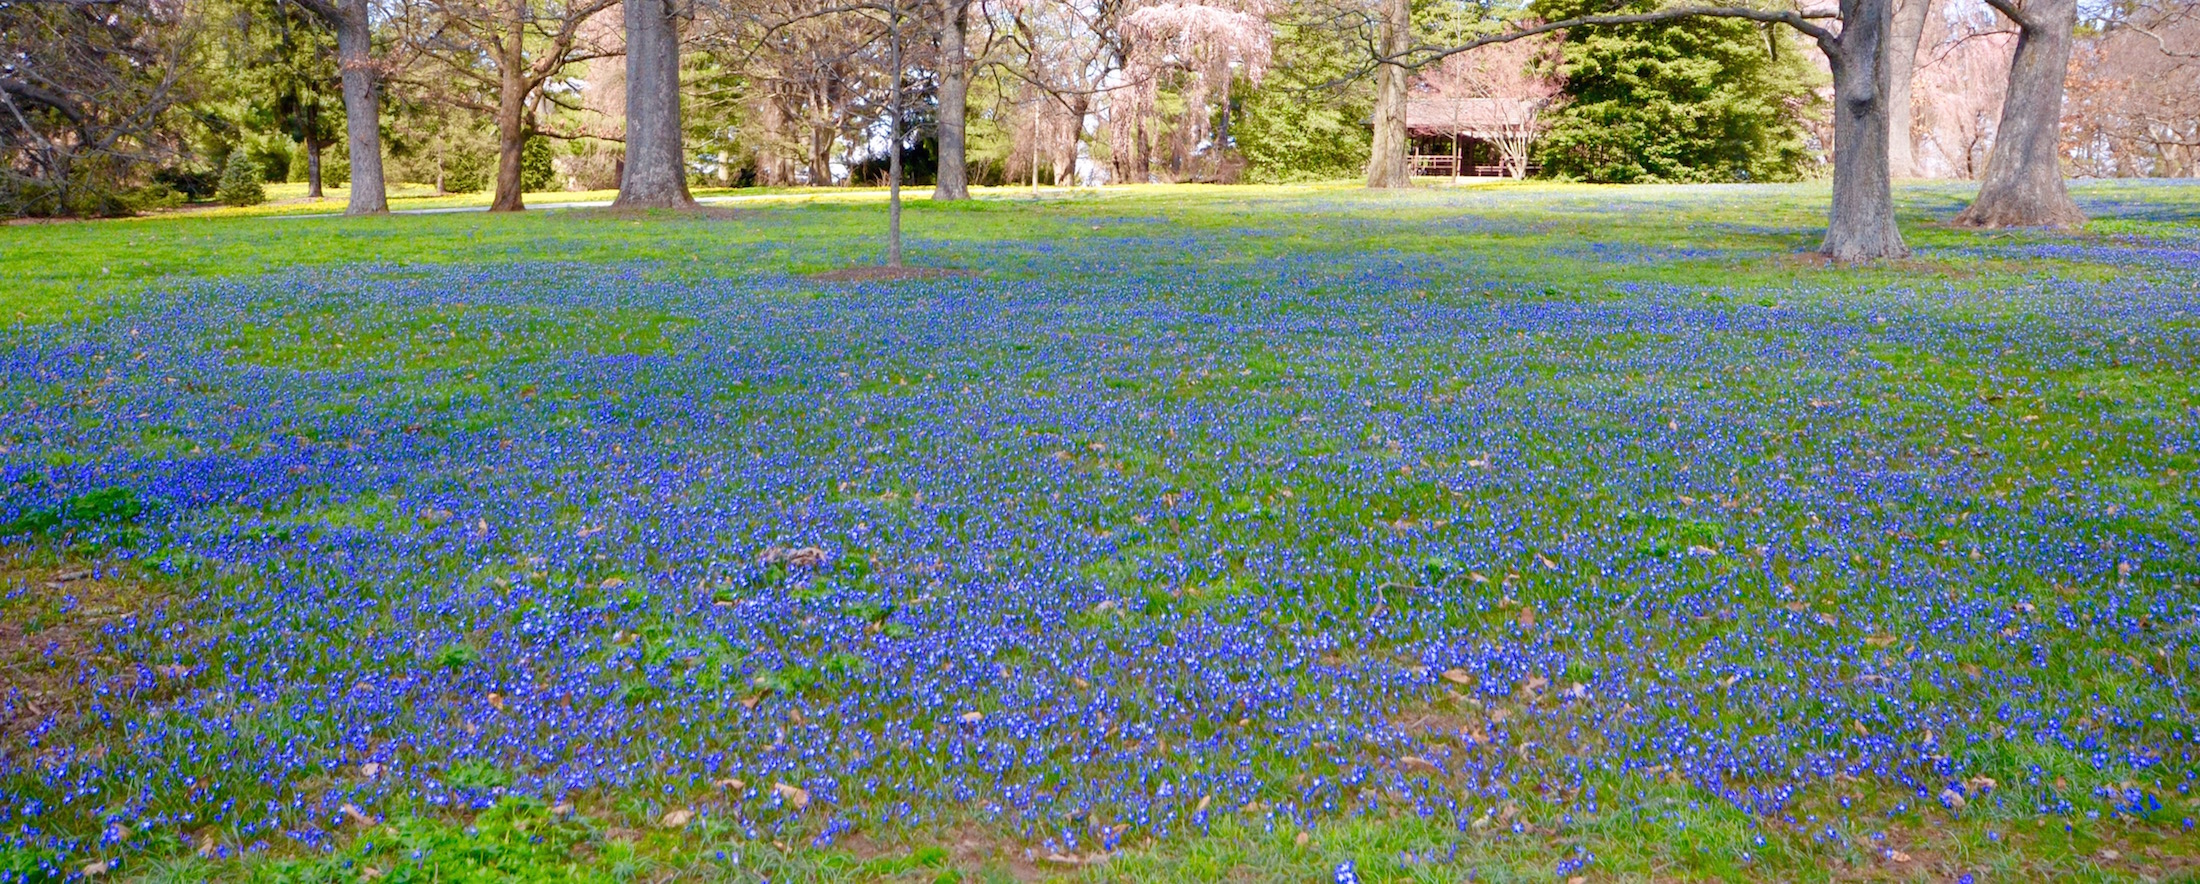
point(1291, 128)
point(241, 181)
point(1706, 99)
point(538, 169)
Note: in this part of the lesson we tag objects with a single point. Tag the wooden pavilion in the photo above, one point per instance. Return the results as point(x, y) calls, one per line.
point(1455, 137)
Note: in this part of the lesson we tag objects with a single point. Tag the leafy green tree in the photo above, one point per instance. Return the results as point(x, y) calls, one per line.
point(89, 101)
point(1296, 127)
point(1704, 99)
point(241, 181)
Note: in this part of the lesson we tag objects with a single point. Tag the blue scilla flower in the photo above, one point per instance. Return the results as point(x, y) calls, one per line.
point(1345, 874)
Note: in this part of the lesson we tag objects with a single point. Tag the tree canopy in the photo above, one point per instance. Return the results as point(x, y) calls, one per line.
point(114, 105)
point(1681, 101)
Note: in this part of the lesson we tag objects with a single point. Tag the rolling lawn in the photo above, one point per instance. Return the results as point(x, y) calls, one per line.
point(1520, 532)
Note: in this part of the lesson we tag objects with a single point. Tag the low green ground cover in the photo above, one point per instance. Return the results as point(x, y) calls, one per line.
point(1515, 531)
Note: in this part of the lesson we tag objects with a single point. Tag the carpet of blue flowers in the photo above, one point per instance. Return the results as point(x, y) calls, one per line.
point(1130, 532)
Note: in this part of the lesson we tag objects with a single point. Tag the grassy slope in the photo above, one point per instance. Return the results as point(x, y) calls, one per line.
point(74, 269)
point(63, 272)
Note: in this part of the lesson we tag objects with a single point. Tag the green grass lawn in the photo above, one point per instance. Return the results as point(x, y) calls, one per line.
point(1520, 531)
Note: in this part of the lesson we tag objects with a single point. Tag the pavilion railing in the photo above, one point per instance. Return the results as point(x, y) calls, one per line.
point(1446, 166)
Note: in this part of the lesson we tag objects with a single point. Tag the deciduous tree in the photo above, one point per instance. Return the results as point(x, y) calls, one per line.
point(1386, 161)
point(509, 50)
point(951, 30)
point(1861, 223)
point(2133, 106)
point(85, 93)
point(1907, 32)
point(655, 175)
point(2023, 185)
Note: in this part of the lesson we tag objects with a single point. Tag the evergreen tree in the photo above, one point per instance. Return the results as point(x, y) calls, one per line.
point(241, 181)
point(538, 169)
point(1291, 128)
point(273, 74)
point(1705, 99)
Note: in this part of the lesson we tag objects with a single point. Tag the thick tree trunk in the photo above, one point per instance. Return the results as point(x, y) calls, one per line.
point(1861, 226)
point(821, 162)
point(1909, 28)
point(954, 89)
point(655, 175)
point(1080, 105)
point(362, 109)
point(1386, 162)
point(511, 112)
point(2023, 185)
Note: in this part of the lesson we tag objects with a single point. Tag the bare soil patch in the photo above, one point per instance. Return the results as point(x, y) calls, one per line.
point(973, 849)
point(50, 618)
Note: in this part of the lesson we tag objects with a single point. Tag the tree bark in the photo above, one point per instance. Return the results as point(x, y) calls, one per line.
point(893, 145)
point(821, 162)
point(655, 174)
point(313, 160)
point(1909, 28)
point(362, 106)
point(1080, 106)
point(954, 90)
point(1861, 225)
point(1386, 162)
point(1141, 157)
point(2023, 185)
point(512, 110)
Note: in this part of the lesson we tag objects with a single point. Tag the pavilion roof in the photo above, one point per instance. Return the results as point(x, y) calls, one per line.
point(1471, 117)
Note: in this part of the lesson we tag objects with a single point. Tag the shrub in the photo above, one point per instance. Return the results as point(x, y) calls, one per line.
point(192, 182)
point(153, 196)
point(88, 191)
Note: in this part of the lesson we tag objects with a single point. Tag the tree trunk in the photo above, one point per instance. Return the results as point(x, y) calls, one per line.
point(313, 160)
point(1141, 156)
point(1861, 226)
point(954, 89)
point(655, 175)
point(362, 109)
point(1909, 28)
point(893, 145)
point(2023, 186)
point(821, 162)
point(1080, 105)
point(512, 111)
point(1386, 162)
